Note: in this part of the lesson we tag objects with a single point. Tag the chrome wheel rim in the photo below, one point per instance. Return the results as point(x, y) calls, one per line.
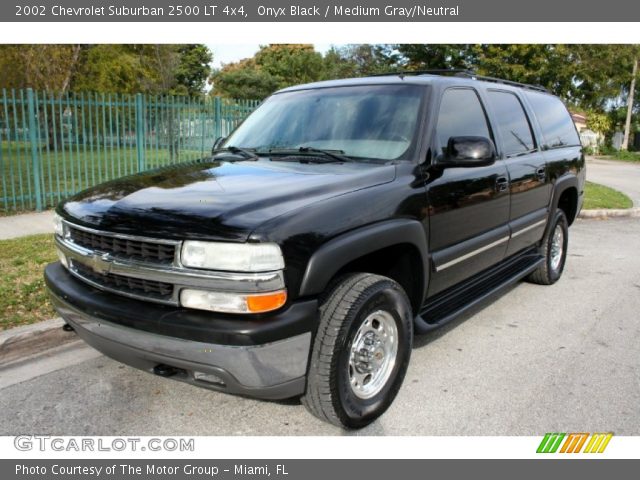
point(557, 247)
point(373, 354)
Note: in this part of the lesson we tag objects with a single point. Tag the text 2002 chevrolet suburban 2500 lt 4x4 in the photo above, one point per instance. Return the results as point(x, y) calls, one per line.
point(338, 219)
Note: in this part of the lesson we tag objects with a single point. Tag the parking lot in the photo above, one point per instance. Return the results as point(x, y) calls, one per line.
point(537, 359)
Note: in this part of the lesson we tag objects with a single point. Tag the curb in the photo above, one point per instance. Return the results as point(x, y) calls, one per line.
point(19, 342)
point(610, 213)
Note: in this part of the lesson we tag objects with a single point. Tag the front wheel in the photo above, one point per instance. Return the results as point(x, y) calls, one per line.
point(554, 251)
point(361, 351)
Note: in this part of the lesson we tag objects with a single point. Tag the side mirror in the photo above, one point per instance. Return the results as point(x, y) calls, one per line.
point(469, 152)
point(218, 141)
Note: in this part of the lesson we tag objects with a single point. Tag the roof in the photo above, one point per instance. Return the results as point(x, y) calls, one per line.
point(416, 78)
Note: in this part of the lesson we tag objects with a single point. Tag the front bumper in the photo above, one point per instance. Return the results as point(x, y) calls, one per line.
point(272, 370)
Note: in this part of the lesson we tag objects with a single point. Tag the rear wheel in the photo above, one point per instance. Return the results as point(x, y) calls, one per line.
point(554, 251)
point(361, 351)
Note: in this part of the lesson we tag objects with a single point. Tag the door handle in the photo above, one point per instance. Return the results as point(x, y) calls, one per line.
point(502, 183)
point(541, 173)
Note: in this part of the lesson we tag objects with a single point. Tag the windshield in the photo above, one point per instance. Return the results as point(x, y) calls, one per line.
point(373, 122)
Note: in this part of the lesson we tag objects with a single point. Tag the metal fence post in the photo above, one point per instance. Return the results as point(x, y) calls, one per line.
point(35, 148)
point(140, 132)
point(217, 116)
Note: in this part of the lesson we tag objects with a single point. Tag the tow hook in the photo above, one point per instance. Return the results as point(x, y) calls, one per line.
point(67, 328)
point(165, 370)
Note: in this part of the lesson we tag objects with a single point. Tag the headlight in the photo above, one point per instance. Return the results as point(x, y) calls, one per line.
point(58, 226)
point(233, 302)
point(232, 257)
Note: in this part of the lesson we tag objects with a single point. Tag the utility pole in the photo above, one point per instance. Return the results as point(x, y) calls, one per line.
point(627, 125)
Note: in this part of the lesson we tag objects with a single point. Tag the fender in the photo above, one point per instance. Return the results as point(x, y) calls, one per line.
point(339, 251)
point(568, 180)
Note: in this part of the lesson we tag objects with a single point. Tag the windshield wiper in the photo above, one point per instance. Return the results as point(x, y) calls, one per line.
point(336, 154)
point(247, 154)
point(333, 155)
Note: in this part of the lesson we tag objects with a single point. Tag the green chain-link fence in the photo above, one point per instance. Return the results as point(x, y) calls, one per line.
point(52, 146)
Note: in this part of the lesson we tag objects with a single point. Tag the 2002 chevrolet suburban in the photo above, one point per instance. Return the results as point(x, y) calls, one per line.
point(337, 220)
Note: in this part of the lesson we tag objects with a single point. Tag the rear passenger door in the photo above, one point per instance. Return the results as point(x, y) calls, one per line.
point(468, 206)
point(530, 186)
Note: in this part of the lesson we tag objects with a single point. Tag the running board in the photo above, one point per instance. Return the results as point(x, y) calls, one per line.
point(451, 303)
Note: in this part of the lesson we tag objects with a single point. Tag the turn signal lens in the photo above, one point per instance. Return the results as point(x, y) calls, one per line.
point(232, 302)
point(266, 303)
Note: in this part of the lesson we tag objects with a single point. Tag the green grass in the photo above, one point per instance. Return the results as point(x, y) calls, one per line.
point(622, 156)
point(23, 299)
point(598, 196)
point(627, 156)
point(69, 171)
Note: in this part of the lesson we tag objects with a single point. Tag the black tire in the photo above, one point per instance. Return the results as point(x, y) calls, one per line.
point(351, 302)
point(548, 273)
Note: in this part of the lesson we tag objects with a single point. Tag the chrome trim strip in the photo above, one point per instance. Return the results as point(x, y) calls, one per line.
point(173, 301)
point(181, 277)
point(124, 236)
point(529, 227)
point(466, 256)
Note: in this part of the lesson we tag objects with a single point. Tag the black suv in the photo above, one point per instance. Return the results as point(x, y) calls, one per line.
point(337, 220)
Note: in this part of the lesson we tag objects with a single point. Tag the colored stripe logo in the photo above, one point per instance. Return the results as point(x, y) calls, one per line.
point(574, 442)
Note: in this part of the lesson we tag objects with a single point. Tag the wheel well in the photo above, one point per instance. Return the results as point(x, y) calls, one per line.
point(401, 263)
point(568, 203)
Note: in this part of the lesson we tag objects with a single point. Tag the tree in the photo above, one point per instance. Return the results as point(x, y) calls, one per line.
point(290, 64)
point(436, 56)
point(244, 83)
point(166, 69)
point(360, 60)
point(111, 69)
point(600, 123)
point(51, 68)
point(193, 68)
point(540, 64)
point(273, 67)
point(632, 88)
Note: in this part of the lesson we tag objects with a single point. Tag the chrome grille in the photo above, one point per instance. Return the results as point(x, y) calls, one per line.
point(124, 247)
point(128, 285)
point(147, 268)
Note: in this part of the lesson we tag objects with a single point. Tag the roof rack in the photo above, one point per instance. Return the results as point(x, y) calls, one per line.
point(459, 72)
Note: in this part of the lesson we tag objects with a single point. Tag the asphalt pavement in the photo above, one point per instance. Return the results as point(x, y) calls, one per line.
point(623, 176)
point(537, 359)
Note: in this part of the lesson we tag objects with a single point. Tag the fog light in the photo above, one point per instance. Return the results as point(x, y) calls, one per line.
point(232, 302)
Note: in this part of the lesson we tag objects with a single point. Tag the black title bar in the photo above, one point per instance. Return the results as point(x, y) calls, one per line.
point(318, 11)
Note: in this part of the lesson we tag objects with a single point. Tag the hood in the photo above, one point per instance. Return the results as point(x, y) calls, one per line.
point(215, 200)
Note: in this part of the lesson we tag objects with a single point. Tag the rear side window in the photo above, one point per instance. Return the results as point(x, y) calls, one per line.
point(557, 127)
point(461, 114)
point(512, 123)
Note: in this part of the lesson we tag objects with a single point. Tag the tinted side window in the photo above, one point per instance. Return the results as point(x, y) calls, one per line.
point(512, 122)
point(461, 114)
point(556, 124)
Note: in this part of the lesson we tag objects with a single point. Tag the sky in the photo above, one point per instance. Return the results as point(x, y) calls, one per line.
point(226, 53)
